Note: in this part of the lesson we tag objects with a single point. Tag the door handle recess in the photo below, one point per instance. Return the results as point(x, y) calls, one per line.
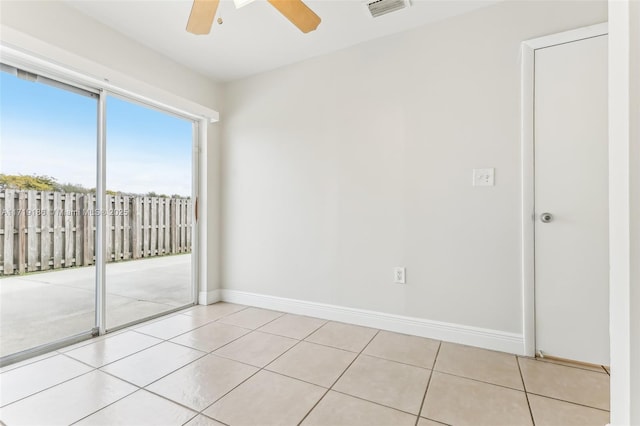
point(546, 217)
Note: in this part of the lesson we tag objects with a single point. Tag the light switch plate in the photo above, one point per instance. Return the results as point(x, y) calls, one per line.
point(483, 177)
point(399, 275)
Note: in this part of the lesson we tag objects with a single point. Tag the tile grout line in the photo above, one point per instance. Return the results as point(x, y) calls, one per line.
point(212, 352)
point(526, 394)
point(145, 387)
point(569, 402)
point(479, 381)
point(99, 369)
point(303, 316)
point(162, 340)
point(190, 419)
point(339, 377)
point(375, 403)
point(249, 331)
point(424, 397)
point(44, 356)
point(49, 387)
point(93, 368)
point(313, 384)
point(363, 399)
point(108, 405)
point(259, 368)
point(554, 398)
point(101, 338)
point(119, 359)
point(278, 357)
point(334, 347)
point(208, 418)
point(299, 341)
point(254, 329)
point(205, 324)
point(393, 360)
point(205, 353)
point(139, 326)
point(294, 378)
point(313, 343)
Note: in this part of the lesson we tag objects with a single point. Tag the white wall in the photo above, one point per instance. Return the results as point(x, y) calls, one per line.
point(339, 168)
point(63, 35)
point(624, 202)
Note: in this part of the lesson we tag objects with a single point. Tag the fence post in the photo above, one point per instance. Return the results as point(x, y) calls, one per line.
point(108, 226)
point(137, 223)
point(45, 231)
point(146, 208)
point(87, 229)
point(117, 227)
point(154, 225)
point(126, 228)
point(9, 214)
point(79, 231)
point(92, 226)
point(57, 230)
point(161, 226)
point(189, 222)
point(68, 213)
point(22, 226)
point(32, 236)
point(172, 225)
point(167, 226)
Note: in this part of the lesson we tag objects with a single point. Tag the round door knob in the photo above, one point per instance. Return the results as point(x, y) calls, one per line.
point(546, 217)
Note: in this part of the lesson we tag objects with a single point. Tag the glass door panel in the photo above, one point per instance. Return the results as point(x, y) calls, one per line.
point(149, 219)
point(48, 145)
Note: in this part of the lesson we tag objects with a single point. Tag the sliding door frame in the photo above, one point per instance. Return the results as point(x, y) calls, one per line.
point(200, 119)
point(101, 194)
point(101, 191)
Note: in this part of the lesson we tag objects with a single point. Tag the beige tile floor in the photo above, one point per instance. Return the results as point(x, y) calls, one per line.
point(236, 365)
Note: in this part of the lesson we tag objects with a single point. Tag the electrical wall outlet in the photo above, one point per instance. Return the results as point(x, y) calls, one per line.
point(399, 275)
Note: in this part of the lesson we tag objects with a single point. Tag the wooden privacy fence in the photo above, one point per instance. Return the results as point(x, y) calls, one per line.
point(43, 230)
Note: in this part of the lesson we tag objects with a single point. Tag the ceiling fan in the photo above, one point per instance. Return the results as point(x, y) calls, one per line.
point(203, 13)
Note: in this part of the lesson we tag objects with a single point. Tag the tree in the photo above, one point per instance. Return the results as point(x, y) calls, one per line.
point(26, 182)
point(71, 187)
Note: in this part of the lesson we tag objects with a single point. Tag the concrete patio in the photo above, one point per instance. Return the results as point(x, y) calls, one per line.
point(43, 307)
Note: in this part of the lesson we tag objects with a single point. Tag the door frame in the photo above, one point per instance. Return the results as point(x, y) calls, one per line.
point(527, 97)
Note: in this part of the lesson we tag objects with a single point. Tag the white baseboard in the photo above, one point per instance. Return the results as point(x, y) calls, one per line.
point(456, 333)
point(209, 297)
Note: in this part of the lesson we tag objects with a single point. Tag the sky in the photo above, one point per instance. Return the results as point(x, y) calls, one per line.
point(49, 131)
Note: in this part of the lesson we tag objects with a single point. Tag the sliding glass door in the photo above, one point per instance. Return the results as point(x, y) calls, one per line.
point(47, 198)
point(97, 202)
point(149, 190)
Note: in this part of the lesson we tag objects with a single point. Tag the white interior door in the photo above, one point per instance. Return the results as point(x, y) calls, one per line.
point(571, 184)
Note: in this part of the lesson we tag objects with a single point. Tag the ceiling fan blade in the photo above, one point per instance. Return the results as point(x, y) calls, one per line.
point(298, 13)
point(201, 17)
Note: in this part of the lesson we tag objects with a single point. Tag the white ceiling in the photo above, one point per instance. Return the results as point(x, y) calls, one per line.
point(256, 38)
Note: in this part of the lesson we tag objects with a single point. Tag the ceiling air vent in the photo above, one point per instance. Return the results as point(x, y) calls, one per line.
point(382, 7)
